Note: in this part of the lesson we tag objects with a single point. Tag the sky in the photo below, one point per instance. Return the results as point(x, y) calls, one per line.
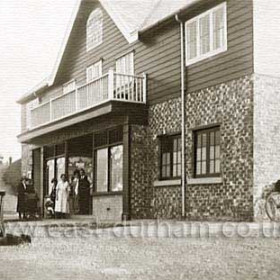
point(31, 34)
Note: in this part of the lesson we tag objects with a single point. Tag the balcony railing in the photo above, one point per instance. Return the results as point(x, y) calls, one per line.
point(109, 87)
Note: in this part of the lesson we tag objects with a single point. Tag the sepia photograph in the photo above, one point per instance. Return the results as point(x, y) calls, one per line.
point(140, 139)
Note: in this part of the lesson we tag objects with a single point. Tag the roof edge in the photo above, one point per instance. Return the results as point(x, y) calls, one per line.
point(144, 29)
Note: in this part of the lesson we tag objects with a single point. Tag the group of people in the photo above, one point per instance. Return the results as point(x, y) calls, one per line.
point(70, 197)
point(66, 197)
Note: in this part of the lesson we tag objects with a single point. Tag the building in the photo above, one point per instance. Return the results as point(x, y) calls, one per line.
point(136, 79)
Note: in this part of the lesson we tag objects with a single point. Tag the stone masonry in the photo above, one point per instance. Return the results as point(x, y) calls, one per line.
point(230, 106)
point(148, 201)
point(266, 137)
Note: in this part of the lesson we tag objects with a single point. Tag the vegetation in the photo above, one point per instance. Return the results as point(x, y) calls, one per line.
point(12, 174)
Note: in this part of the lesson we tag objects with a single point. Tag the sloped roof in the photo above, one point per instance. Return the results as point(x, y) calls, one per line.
point(130, 16)
point(164, 9)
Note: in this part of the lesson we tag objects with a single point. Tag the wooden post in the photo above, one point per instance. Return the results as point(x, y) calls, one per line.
point(42, 180)
point(51, 110)
point(126, 172)
point(2, 227)
point(144, 93)
point(111, 84)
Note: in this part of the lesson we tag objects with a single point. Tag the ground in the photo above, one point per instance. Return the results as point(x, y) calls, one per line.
point(142, 251)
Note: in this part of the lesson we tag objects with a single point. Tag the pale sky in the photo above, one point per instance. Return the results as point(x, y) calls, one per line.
point(31, 33)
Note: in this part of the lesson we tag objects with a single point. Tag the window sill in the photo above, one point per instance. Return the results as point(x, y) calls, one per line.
point(107, 193)
point(167, 183)
point(205, 181)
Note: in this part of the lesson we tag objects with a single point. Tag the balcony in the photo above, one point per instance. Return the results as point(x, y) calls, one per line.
point(109, 87)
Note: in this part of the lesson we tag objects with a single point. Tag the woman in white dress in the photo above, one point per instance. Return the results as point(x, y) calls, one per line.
point(62, 197)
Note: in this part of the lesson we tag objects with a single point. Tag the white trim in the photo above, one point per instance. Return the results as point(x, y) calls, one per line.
point(205, 181)
point(122, 58)
point(94, 16)
point(64, 86)
point(167, 183)
point(212, 52)
point(96, 64)
point(65, 42)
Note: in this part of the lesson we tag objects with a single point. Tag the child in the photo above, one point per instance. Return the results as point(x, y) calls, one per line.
point(49, 207)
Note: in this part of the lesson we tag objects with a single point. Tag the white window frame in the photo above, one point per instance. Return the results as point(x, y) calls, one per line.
point(212, 51)
point(66, 85)
point(29, 106)
point(95, 19)
point(97, 64)
point(119, 59)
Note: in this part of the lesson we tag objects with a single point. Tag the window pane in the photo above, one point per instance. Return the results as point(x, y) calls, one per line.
point(102, 170)
point(212, 138)
point(212, 166)
point(100, 139)
point(212, 152)
point(208, 154)
point(199, 140)
point(198, 168)
point(218, 166)
point(203, 167)
point(116, 135)
point(204, 140)
point(191, 40)
point(50, 175)
point(218, 28)
point(60, 167)
point(204, 153)
point(198, 154)
point(204, 28)
point(217, 152)
point(218, 135)
point(94, 29)
point(116, 168)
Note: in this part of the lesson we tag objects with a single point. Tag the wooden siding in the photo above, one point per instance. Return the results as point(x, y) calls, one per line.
point(158, 53)
point(237, 61)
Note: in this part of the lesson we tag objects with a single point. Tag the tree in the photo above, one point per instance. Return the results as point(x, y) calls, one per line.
point(12, 174)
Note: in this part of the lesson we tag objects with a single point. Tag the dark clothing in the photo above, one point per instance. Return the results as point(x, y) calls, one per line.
point(84, 195)
point(22, 190)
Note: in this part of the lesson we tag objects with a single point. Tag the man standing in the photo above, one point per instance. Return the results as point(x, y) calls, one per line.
point(84, 193)
point(22, 190)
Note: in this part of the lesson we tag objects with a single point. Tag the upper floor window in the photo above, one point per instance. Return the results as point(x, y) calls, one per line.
point(69, 86)
point(170, 157)
point(207, 152)
point(29, 107)
point(206, 34)
point(94, 71)
point(125, 64)
point(94, 29)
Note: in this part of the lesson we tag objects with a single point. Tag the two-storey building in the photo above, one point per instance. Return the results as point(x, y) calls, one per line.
point(169, 106)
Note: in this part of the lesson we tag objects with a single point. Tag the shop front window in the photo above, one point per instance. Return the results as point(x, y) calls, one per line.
point(109, 161)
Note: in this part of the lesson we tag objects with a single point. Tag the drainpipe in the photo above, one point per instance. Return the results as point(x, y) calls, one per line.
point(183, 178)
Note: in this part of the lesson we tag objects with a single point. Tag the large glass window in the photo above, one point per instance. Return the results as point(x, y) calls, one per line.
point(109, 160)
point(55, 164)
point(94, 29)
point(116, 168)
point(170, 159)
point(102, 170)
point(206, 34)
point(207, 156)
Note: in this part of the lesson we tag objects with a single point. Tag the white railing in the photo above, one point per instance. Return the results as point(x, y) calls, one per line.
point(111, 86)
